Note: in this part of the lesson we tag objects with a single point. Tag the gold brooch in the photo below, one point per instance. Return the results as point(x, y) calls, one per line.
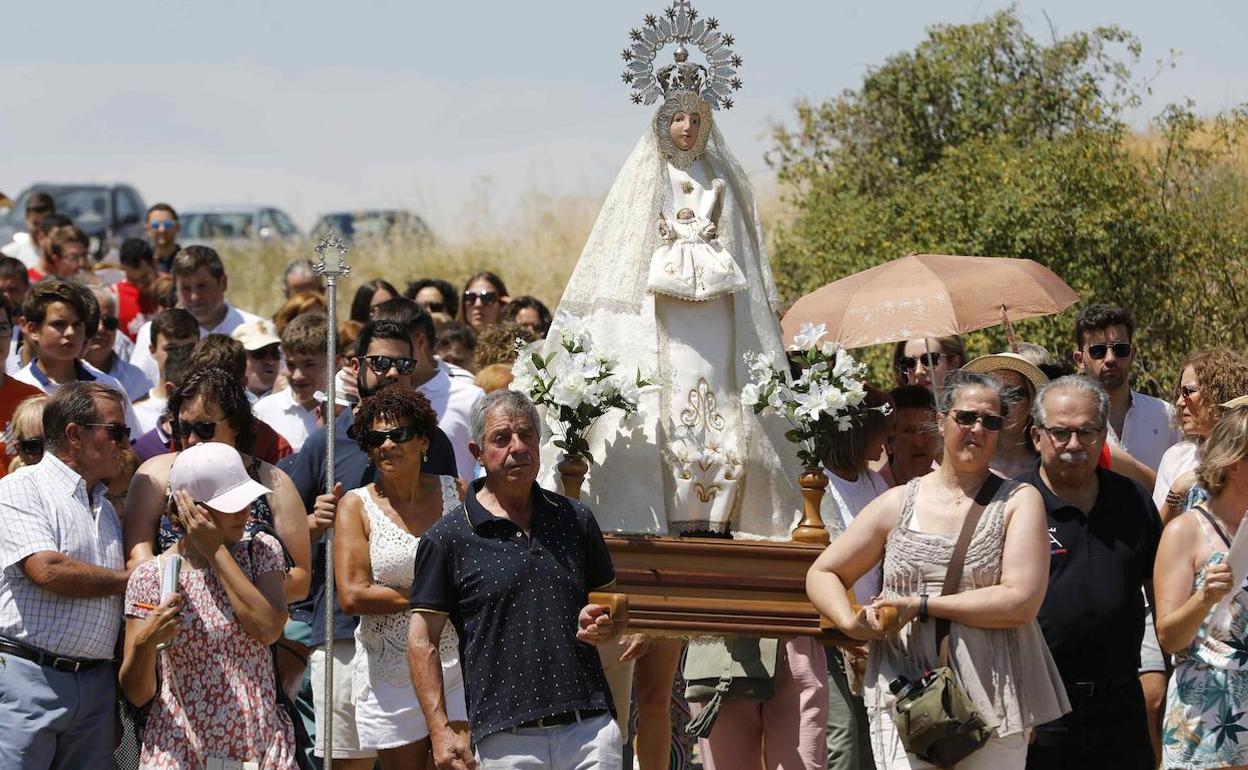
point(687, 187)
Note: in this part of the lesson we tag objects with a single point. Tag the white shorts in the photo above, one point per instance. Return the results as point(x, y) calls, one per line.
point(1009, 753)
point(346, 742)
point(388, 716)
point(1151, 658)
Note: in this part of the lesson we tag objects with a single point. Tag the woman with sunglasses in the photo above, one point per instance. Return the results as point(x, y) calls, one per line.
point(485, 294)
point(1015, 453)
point(927, 362)
point(996, 650)
point(26, 446)
point(212, 406)
point(377, 530)
point(1207, 380)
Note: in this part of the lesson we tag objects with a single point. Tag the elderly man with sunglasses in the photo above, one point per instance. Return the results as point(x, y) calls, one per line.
point(1103, 535)
point(62, 576)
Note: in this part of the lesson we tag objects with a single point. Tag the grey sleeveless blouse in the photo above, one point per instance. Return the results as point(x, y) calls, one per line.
point(1008, 673)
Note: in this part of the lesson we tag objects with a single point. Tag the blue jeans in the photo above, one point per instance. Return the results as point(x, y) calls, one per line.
point(593, 744)
point(54, 719)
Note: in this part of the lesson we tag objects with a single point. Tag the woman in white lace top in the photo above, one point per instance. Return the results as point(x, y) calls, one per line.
point(377, 530)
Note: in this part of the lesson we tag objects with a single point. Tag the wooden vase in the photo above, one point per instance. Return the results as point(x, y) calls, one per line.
point(572, 470)
point(811, 530)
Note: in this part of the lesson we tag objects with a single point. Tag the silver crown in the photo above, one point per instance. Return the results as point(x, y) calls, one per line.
point(715, 81)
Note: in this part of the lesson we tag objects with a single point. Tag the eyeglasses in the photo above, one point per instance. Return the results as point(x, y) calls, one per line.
point(1062, 435)
point(205, 429)
point(163, 224)
point(382, 364)
point(30, 446)
point(1121, 350)
point(967, 419)
point(273, 352)
point(908, 363)
point(1187, 391)
point(399, 435)
point(484, 297)
point(116, 431)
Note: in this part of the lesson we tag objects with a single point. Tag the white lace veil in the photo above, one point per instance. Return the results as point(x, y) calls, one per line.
point(607, 296)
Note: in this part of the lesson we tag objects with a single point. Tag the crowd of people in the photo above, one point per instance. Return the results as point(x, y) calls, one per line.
point(1027, 519)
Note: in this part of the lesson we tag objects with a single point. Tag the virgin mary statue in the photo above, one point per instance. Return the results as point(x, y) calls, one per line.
point(674, 279)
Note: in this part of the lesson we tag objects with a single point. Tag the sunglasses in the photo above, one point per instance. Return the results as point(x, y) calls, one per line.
point(30, 446)
point(164, 224)
point(908, 363)
point(116, 431)
point(205, 429)
point(399, 435)
point(1187, 391)
point(967, 419)
point(1121, 350)
point(484, 297)
point(435, 307)
point(108, 323)
point(1062, 435)
point(382, 364)
point(273, 352)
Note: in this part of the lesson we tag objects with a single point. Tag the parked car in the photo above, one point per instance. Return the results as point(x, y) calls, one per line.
point(235, 223)
point(108, 214)
point(371, 223)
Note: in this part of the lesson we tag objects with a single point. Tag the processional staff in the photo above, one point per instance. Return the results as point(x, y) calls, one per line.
point(332, 263)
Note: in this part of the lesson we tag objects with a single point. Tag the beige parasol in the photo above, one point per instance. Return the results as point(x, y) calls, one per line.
point(929, 295)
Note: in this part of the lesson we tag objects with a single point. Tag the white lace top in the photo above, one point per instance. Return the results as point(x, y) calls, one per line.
point(381, 640)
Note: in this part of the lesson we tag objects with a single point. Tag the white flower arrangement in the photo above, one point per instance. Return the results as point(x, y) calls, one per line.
point(574, 385)
point(827, 398)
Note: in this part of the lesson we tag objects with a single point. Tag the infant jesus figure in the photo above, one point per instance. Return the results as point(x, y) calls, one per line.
point(691, 264)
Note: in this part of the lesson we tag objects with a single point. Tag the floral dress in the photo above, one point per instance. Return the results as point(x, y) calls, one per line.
point(1206, 718)
point(216, 695)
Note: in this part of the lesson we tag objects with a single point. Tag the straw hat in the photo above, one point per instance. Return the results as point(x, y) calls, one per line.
point(1012, 362)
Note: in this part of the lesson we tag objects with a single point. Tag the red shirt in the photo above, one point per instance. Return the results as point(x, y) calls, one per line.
point(133, 310)
point(34, 275)
point(12, 393)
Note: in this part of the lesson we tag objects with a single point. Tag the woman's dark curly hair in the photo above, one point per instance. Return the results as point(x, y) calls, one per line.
point(395, 403)
point(226, 392)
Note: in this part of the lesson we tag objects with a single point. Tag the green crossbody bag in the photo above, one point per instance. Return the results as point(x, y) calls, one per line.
point(727, 669)
point(935, 718)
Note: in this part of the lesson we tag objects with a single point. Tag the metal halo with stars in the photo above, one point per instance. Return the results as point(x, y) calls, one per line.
point(681, 24)
point(333, 255)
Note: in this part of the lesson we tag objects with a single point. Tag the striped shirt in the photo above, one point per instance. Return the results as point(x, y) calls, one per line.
point(45, 507)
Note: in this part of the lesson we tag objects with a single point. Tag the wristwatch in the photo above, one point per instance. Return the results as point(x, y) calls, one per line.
point(922, 608)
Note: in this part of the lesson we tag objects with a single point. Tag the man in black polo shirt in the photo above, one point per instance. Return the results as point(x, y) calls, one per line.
point(1103, 534)
point(512, 569)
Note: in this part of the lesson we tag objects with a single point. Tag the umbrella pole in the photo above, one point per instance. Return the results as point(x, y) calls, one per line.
point(931, 381)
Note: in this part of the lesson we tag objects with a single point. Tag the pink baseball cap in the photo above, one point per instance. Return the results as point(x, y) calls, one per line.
point(212, 473)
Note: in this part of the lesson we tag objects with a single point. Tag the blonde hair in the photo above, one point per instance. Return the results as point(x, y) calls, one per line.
point(1227, 444)
point(27, 420)
point(494, 377)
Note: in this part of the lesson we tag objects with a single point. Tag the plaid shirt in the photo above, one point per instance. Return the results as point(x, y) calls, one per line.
point(45, 507)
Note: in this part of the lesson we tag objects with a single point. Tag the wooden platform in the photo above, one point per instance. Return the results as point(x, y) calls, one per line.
point(673, 586)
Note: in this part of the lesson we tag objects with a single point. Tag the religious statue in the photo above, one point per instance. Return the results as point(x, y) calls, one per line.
point(674, 278)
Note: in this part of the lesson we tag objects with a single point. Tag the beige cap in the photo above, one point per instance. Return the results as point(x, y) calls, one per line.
point(1011, 362)
point(256, 334)
point(1234, 402)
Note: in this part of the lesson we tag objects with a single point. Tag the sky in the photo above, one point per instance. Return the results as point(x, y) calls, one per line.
point(457, 110)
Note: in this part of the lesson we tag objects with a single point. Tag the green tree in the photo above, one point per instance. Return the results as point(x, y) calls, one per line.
point(984, 141)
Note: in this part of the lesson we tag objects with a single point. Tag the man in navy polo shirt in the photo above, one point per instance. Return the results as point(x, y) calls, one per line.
point(1103, 535)
point(512, 569)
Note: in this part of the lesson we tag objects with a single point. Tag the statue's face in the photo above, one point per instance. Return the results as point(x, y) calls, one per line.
point(685, 129)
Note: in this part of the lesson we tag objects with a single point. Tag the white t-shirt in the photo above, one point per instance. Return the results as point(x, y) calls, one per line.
point(131, 378)
point(841, 503)
point(1179, 459)
point(142, 357)
point(1148, 430)
point(286, 416)
point(23, 248)
point(148, 412)
point(452, 399)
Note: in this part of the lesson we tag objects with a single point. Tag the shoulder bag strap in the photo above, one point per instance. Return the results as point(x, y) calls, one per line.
point(1217, 525)
point(953, 573)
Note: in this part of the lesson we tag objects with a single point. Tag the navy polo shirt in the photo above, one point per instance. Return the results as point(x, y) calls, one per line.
point(514, 601)
point(352, 467)
point(1093, 613)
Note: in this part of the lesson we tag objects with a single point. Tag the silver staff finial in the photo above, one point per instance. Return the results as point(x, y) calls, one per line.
point(333, 255)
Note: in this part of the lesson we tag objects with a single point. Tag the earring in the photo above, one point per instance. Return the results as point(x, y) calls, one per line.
point(425, 458)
